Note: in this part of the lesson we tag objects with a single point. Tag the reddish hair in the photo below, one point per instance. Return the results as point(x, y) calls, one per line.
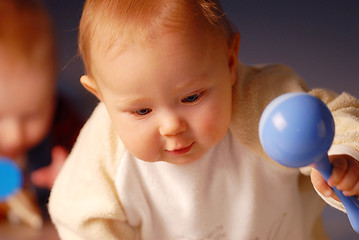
point(104, 22)
point(26, 30)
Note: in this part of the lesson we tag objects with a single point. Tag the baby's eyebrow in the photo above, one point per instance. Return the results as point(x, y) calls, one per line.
point(133, 101)
point(192, 82)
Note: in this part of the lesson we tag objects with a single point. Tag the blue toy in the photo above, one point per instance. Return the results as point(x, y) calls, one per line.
point(296, 130)
point(11, 179)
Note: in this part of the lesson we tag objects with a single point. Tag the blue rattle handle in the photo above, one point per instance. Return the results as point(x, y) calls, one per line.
point(297, 130)
point(351, 204)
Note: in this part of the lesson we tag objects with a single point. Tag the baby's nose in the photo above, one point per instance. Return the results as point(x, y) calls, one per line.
point(11, 138)
point(172, 124)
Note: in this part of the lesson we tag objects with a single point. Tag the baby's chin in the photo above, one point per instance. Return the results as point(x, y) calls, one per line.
point(14, 155)
point(182, 161)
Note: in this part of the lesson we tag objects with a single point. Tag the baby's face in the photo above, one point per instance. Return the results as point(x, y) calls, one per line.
point(26, 105)
point(169, 100)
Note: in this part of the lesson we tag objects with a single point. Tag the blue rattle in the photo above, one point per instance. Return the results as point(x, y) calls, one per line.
point(11, 179)
point(297, 130)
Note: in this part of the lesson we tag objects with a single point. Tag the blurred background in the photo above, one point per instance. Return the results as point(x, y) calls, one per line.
point(318, 39)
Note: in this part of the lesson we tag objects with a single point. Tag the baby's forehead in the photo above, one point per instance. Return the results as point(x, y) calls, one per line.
point(41, 52)
point(179, 42)
point(16, 69)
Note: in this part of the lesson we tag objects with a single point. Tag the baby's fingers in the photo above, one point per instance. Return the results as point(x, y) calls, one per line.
point(340, 167)
point(321, 185)
point(354, 191)
point(349, 182)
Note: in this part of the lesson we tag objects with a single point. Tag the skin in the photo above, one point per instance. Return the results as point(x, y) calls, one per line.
point(171, 101)
point(45, 177)
point(26, 104)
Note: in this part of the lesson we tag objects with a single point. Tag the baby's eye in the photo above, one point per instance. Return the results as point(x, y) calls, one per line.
point(143, 111)
point(191, 98)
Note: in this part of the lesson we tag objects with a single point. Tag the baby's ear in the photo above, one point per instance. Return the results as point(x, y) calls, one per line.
point(90, 85)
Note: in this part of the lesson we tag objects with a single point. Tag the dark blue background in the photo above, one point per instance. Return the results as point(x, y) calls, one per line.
point(319, 39)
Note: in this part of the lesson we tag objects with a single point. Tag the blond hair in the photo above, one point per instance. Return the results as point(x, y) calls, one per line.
point(104, 22)
point(26, 30)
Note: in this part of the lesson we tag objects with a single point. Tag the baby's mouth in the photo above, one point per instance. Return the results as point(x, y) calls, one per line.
point(180, 151)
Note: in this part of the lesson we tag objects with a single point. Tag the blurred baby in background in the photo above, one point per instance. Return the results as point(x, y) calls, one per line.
point(37, 126)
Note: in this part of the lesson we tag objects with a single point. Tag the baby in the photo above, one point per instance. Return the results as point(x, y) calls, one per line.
point(172, 150)
point(37, 126)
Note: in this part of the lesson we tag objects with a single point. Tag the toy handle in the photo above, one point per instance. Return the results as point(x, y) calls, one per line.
point(351, 204)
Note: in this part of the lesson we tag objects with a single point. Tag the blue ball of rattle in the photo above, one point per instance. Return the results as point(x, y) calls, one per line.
point(296, 129)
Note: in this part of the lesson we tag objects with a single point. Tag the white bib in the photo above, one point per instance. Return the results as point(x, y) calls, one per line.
point(227, 194)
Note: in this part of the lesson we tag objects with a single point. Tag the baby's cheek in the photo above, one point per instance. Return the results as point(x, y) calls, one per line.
point(144, 148)
point(214, 130)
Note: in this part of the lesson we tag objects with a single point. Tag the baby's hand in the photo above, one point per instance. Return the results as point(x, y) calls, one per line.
point(45, 177)
point(345, 177)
